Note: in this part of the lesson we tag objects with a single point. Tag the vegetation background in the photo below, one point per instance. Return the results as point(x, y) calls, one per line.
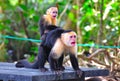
point(95, 21)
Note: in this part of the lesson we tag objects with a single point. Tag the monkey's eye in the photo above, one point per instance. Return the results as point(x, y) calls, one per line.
point(55, 12)
point(73, 36)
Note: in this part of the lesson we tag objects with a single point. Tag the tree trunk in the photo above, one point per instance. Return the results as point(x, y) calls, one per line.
point(100, 32)
point(76, 25)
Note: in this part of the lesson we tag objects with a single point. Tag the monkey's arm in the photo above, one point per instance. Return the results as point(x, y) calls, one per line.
point(74, 62)
point(75, 65)
point(42, 24)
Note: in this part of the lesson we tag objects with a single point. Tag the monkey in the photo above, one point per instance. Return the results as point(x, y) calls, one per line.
point(50, 18)
point(56, 43)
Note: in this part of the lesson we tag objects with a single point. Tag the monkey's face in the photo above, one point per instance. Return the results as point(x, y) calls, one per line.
point(69, 39)
point(72, 39)
point(54, 13)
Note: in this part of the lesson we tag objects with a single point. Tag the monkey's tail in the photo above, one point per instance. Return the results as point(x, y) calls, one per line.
point(23, 63)
point(26, 64)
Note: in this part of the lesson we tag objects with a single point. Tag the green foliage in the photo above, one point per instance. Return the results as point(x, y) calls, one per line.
point(90, 20)
point(71, 16)
point(20, 18)
point(3, 53)
point(31, 58)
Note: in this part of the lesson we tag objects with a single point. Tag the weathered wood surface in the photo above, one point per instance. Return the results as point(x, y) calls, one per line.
point(8, 72)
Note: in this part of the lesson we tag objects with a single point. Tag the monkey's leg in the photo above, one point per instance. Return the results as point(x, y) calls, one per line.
point(75, 65)
point(53, 63)
point(42, 58)
point(60, 63)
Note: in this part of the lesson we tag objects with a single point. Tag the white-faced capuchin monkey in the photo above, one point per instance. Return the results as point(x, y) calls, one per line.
point(50, 18)
point(56, 43)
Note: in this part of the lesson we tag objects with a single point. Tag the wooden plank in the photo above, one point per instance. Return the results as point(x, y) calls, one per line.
point(9, 71)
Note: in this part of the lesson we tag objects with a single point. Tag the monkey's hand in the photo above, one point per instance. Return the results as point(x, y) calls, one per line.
point(43, 69)
point(79, 73)
point(62, 68)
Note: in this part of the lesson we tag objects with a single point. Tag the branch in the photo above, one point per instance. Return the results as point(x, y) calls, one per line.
point(63, 12)
point(93, 59)
point(24, 24)
point(1, 45)
point(97, 61)
point(95, 53)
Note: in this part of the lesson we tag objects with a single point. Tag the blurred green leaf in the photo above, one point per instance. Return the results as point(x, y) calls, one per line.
point(36, 18)
point(31, 58)
point(23, 7)
point(76, 7)
point(13, 2)
point(71, 16)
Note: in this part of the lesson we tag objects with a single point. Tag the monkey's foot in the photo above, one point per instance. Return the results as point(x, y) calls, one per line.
point(43, 69)
point(62, 68)
point(58, 73)
point(79, 73)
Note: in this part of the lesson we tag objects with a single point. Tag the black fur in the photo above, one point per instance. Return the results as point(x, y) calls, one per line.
point(48, 28)
point(53, 36)
point(74, 61)
point(42, 25)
